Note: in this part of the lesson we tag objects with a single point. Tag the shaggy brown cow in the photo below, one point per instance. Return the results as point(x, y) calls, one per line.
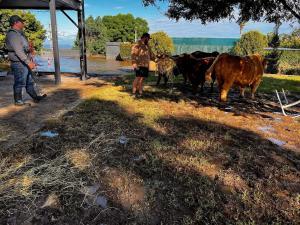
point(240, 71)
point(165, 68)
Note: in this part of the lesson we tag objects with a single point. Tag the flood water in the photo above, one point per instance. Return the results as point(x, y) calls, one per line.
point(69, 62)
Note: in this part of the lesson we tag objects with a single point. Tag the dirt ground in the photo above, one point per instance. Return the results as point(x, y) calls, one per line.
point(167, 158)
point(19, 122)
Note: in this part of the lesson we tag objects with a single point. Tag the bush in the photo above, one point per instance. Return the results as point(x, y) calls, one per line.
point(161, 43)
point(250, 43)
point(289, 63)
point(125, 51)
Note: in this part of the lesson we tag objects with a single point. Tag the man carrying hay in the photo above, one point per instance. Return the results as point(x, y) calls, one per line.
point(141, 55)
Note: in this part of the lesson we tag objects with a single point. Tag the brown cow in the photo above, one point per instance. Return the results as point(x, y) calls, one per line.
point(197, 73)
point(234, 70)
point(165, 67)
point(186, 62)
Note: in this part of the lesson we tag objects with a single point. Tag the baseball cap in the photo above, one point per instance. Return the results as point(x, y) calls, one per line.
point(14, 19)
point(146, 35)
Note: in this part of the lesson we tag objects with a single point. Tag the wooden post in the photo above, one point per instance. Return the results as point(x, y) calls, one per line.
point(82, 41)
point(52, 6)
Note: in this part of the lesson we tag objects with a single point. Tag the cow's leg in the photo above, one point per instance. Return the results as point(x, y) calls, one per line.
point(212, 83)
point(195, 89)
point(185, 79)
point(242, 92)
point(254, 87)
point(158, 79)
point(224, 91)
point(202, 87)
point(166, 79)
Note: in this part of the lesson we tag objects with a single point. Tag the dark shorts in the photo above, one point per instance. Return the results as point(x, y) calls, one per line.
point(142, 72)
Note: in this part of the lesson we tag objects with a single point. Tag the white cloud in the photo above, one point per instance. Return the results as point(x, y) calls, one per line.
point(118, 7)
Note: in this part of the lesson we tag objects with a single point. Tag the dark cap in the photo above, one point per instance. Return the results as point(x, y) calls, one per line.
point(14, 19)
point(146, 35)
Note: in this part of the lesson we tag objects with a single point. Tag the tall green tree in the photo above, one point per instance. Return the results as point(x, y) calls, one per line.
point(96, 35)
point(275, 54)
point(34, 30)
point(241, 10)
point(250, 43)
point(123, 27)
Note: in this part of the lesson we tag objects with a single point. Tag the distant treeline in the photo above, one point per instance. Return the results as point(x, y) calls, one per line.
point(121, 28)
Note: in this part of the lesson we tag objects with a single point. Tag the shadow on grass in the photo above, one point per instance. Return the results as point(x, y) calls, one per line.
point(181, 170)
point(265, 101)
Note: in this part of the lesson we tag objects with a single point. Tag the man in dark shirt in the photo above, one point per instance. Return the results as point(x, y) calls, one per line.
point(21, 62)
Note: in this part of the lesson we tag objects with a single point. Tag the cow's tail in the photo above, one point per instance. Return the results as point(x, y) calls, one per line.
point(211, 69)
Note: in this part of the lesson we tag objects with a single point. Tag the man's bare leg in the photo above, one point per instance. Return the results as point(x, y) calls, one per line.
point(135, 85)
point(141, 80)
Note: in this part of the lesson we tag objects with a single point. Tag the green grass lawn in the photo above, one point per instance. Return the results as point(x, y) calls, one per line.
point(277, 82)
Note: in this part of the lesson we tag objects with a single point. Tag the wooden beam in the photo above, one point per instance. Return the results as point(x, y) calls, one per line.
point(52, 7)
point(82, 42)
point(66, 14)
point(39, 4)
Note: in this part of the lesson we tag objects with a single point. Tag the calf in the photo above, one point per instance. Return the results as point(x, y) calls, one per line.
point(196, 74)
point(234, 70)
point(166, 67)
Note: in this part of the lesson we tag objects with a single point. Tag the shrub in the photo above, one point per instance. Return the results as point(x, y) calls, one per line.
point(289, 63)
point(125, 50)
point(250, 43)
point(161, 43)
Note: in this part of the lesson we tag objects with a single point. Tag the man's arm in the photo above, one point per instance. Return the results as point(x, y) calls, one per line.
point(152, 55)
point(134, 55)
point(16, 44)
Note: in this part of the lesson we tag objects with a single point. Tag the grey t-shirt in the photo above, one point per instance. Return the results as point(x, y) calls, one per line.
point(17, 46)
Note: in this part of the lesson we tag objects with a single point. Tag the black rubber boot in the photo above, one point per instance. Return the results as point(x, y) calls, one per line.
point(36, 98)
point(39, 98)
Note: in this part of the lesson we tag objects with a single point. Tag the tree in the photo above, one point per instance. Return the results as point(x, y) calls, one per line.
point(241, 10)
point(96, 36)
point(250, 43)
point(275, 54)
point(34, 30)
point(161, 43)
point(122, 27)
point(291, 40)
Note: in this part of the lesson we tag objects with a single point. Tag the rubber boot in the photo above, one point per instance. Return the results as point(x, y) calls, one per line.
point(36, 98)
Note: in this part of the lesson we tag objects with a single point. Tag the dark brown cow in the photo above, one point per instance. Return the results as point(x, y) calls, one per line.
point(186, 62)
point(199, 54)
point(197, 74)
point(234, 70)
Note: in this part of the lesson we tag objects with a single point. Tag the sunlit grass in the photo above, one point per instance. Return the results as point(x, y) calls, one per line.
point(271, 83)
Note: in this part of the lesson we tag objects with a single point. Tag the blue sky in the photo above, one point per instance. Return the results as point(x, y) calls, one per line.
point(156, 19)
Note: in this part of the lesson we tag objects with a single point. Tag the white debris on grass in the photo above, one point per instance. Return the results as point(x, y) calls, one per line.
point(49, 134)
point(267, 129)
point(277, 142)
